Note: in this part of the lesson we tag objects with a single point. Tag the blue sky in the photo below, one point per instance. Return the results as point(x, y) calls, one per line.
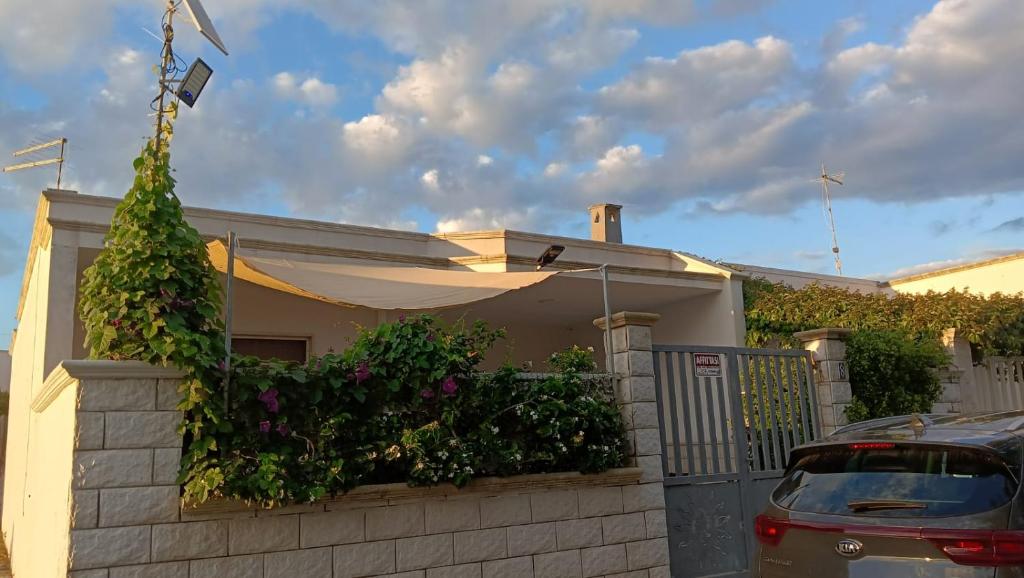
point(706, 119)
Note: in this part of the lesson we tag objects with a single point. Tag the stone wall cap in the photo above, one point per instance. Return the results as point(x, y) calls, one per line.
point(478, 486)
point(823, 333)
point(71, 370)
point(623, 318)
point(111, 369)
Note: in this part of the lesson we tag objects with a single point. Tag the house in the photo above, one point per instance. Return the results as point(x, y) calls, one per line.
point(277, 313)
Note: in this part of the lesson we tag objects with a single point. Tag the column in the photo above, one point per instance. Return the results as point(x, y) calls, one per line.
point(634, 393)
point(831, 376)
point(958, 386)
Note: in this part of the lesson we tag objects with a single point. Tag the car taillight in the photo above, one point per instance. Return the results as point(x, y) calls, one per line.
point(965, 547)
point(979, 547)
point(872, 446)
point(769, 531)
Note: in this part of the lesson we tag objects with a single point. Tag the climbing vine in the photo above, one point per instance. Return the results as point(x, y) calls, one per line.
point(152, 294)
point(994, 325)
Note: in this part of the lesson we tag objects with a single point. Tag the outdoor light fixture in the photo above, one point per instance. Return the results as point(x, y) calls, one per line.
point(549, 255)
point(194, 81)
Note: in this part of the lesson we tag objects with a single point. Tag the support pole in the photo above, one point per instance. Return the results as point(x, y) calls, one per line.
point(228, 310)
point(610, 363)
point(60, 163)
point(165, 63)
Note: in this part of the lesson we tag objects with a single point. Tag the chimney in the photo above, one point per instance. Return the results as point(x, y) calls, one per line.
point(605, 224)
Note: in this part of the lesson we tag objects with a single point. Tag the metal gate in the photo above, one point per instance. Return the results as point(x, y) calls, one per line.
point(728, 418)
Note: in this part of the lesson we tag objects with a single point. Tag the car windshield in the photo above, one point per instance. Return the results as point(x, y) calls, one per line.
point(896, 481)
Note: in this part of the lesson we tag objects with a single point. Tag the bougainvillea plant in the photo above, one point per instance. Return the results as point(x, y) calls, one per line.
point(405, 403)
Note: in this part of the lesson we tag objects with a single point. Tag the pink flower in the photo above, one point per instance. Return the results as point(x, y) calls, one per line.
point(265, 426)
point(430, 337)
point(448, 386)
point(362, 372)
point(283, 429)
point(269, 399)
point(427, 393)
point(401, 318)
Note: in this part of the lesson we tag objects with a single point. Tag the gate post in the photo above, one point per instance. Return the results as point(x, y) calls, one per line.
point(635, 395)
point(831, 376)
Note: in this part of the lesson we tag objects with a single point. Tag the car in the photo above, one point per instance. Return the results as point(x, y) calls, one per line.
point(921, 496)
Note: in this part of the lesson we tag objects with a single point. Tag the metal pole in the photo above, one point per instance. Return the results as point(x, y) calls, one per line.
point(607, 323)
point(165, 57)
point(228, 307)
point(60, 164)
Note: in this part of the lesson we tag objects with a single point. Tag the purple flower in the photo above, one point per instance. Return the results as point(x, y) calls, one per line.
point(222, 366)
point(448, 386)
point(283, 429)
point(362, 372)
point(265, 426)
point(427, 393)
point(430, 337)
point(269, 399)
point(401, 318)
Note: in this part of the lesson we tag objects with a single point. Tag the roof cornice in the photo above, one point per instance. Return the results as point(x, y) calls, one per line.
point(956, 269)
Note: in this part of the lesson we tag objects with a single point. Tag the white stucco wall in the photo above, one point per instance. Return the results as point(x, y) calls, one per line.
point(39, 445)
point(999, 275)
point(40, 549)
point(715, 319)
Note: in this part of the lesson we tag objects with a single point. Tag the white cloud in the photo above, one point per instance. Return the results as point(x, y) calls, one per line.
point(430, 180)
point(310, 91)
point(555, 169)
point(478, 219)
point(701, 83)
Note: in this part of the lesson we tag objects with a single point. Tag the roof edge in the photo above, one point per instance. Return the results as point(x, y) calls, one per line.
point(956, 269)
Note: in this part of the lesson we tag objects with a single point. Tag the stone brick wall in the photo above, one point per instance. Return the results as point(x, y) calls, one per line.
point(127, 521)
point(575, 525)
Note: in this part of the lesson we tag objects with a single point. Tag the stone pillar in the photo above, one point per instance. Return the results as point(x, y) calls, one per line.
point(831, 376)
point(957, 379)
point(634, 392)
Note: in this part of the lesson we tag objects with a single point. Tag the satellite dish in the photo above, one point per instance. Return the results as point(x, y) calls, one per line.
point(204, 25)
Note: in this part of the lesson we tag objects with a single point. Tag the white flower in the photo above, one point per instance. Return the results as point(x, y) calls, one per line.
point(494, 429)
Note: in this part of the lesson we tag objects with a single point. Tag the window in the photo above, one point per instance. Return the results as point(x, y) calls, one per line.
point(285, 349)
point(897, 481)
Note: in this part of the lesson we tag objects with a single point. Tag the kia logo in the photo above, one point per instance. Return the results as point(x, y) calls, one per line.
point(849, 548)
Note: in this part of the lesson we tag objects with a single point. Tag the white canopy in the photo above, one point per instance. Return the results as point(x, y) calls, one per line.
point(407, 288)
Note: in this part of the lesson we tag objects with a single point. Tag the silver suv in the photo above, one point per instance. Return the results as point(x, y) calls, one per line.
point(907, 497)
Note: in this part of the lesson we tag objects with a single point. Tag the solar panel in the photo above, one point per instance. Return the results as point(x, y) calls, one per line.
point(204, 24)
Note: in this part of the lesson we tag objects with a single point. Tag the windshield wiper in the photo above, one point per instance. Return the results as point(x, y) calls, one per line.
point(869, 505)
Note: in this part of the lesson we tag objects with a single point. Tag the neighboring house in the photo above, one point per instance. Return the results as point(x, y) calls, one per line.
point(1002, 274)
point(999, 275)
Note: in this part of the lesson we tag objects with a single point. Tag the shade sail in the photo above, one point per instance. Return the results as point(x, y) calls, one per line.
point(407, 288)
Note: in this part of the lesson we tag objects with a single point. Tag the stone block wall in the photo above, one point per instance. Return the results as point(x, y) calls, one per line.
point(543, 526)
point(127, 520)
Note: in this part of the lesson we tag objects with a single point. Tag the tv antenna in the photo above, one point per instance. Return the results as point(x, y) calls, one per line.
point(826, 200)
point(188, 88)
point(59, 161)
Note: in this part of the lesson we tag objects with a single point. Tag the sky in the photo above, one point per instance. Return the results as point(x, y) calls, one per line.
point(708, 120)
